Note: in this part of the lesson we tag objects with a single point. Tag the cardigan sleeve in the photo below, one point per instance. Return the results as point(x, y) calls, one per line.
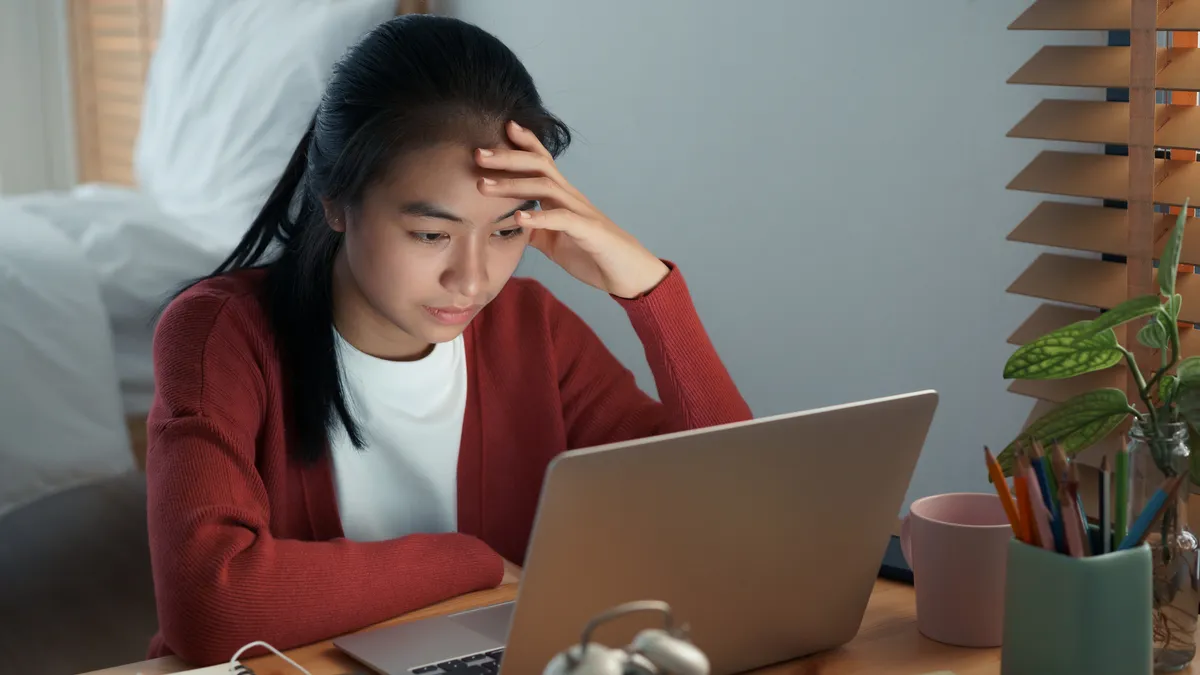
point(222, 579)
point(601, 400)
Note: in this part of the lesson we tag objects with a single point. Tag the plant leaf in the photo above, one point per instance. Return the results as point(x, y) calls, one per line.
point(1153, 335)
point(1063, 354)
point(1174, 305)
point(1077, 424)
point(1168, 262)
point(1166, 389)
point(1187, 389)
point(1129, 310)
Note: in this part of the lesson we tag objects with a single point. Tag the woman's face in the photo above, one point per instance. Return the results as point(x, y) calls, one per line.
point(423, 253)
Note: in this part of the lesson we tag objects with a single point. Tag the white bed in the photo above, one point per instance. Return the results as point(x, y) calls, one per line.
point(229, 92)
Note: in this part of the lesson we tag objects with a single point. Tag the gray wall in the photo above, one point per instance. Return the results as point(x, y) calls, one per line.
point(828, 175)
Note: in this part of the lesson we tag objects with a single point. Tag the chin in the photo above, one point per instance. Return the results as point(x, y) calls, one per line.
point(436, 333)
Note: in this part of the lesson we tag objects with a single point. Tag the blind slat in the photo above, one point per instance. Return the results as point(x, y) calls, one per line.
point(1077, 174)
point(1047, 318)
point(1059, 391)
point(1072, 66)
point(1093, 283)
point(1074, 226)
point(1181, 15)
point(1178, 126)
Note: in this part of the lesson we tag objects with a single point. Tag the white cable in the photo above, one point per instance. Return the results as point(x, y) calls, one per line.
point(233, 663)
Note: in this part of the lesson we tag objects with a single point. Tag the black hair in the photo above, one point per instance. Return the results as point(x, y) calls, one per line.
point(412, 81)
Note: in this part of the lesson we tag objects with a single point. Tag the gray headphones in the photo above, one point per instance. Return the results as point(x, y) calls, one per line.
point(654, 651)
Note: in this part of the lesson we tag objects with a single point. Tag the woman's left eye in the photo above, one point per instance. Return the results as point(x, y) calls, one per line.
point(428, 237)
point(510, 233)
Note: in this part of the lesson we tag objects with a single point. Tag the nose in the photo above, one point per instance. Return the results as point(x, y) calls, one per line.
point(466, 276)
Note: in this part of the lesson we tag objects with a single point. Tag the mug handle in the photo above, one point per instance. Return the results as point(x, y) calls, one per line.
point(906, 541)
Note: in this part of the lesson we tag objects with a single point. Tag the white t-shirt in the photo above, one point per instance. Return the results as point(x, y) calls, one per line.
point(410, 416)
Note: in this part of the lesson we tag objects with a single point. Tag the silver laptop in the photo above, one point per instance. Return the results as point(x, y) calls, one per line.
point(765, 537)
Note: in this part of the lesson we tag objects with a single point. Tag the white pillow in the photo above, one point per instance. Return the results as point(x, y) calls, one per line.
point(231, 88)
point(60, 415)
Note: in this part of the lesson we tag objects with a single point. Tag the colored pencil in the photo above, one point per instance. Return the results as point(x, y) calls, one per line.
point(1120, 503)
point(1051, 479)
point(1049, 490)
point(1078, 520)
point(1001, 485)
point(1041, 516)
point(1072, 481)
point(1070, 522)
point(1105, 505)
point(1155, 506)
point(1028, 533)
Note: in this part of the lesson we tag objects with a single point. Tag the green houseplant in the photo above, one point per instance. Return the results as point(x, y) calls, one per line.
point(1161, 430)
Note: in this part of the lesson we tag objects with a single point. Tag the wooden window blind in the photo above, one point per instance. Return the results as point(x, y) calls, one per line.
point(111, 45)
point(1152, 180)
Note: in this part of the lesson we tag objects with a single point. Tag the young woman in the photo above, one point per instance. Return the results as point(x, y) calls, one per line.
point(354, 413)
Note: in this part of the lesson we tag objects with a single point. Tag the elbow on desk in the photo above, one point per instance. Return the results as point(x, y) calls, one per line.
point(200, 636)
point(206, 625)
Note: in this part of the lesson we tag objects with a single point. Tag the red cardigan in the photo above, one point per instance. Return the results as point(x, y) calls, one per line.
point(246, 543)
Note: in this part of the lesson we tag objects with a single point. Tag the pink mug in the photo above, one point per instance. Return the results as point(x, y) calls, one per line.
point(957, 547)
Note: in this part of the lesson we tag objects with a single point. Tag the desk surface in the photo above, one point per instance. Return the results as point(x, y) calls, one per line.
point(887, 643)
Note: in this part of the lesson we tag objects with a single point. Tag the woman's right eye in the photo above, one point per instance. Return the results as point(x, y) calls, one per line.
point(428, 237)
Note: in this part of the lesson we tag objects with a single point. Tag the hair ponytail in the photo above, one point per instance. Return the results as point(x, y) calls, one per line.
point(274, 221)
point(415, 80)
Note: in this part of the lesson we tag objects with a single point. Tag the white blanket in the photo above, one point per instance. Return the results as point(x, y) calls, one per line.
point(61, 423)
point(82, 277)
point(140, 256)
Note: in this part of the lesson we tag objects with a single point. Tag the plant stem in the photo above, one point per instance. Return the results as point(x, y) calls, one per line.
point(1143, 388)
point(1173, 333)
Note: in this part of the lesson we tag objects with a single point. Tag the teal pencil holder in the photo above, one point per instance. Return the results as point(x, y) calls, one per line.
point(1077, 616)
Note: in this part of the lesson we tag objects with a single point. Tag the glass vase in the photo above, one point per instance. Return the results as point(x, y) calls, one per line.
point(1153, 458)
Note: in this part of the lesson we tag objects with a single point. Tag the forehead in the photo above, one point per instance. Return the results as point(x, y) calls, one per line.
point(444, 175)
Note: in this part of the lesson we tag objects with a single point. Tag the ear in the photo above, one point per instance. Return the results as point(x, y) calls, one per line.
point(334, 215)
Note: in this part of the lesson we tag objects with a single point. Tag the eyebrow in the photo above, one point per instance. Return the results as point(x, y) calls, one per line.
point(428, 210)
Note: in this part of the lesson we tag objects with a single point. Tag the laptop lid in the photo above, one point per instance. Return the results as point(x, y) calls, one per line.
point(764, 536)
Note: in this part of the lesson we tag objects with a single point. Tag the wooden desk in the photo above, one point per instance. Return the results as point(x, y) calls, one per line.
point(887, 644)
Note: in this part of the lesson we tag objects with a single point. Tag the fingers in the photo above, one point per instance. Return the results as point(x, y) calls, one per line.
point(537, 188)
point(526, 139)
point(558, 220)
point(518, 161)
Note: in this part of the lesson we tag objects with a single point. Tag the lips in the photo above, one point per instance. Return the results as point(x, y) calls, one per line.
point(452, 315)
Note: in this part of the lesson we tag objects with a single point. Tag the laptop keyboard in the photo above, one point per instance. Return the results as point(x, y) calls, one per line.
point(483, 663)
